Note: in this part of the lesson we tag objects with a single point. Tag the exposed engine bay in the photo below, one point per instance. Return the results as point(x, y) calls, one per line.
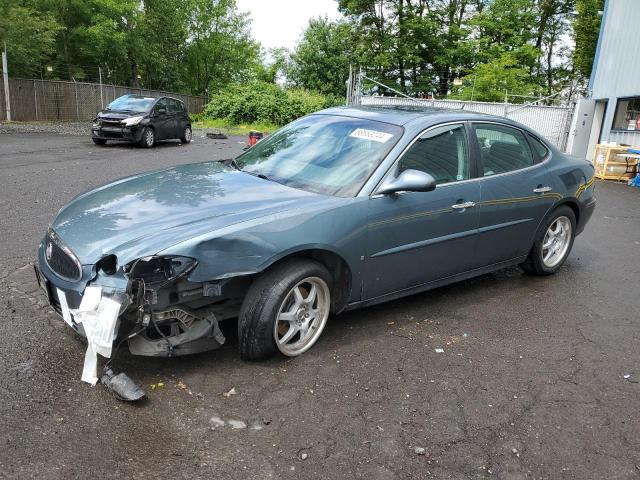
point(150, 305)
point(171, 316)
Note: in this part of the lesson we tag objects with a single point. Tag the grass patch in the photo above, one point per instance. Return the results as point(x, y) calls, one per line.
point(225, 127)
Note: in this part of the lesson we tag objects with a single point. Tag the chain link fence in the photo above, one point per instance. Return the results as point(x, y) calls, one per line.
point(552, 122)
point(55, 100)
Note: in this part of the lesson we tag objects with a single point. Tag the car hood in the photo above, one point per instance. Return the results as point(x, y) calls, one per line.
point(144, 214)
point(118, 114)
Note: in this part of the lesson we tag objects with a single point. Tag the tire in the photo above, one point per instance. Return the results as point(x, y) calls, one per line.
point(540, 260)
point(148, 138)
point(187, 134)
point(99, 141)
point(262, 332)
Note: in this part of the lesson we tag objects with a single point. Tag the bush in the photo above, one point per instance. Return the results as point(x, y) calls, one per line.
point(261, 102)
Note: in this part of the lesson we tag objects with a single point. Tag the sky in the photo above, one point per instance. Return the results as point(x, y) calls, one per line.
point(279, 23)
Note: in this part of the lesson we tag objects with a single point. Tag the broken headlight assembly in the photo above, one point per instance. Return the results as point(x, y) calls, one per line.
point(157, 272)
point(130, 122)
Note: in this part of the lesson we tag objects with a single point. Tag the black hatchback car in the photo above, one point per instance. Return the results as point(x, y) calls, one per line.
point(142, 120)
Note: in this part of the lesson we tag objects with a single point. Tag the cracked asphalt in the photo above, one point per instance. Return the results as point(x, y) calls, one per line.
point(530, 384)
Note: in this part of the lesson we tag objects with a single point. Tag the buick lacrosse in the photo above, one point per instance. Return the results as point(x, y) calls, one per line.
point(340, 209)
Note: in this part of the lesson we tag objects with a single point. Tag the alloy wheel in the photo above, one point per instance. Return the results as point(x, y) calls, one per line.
point(302, 316)
point(149, 137)
point(556, 242)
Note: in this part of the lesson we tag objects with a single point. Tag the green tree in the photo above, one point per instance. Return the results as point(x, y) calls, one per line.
point(490, 81)
point(220, 48)
point(586, 27)
point(321, 59)
point(109, 41)
point(160, 38)
point(273, 65)
point(29, 35)
point(373, 26)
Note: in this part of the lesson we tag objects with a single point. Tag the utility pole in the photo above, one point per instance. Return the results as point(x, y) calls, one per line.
point(349, 86)
point(5, 76)
point(506, 103)
point(473, 89)
point(101, 100)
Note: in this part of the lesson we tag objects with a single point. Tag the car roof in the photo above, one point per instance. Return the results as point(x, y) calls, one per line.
point(403, 114)
point(135, 95)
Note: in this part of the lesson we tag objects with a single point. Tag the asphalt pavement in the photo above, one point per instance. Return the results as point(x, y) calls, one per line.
point(531, 383)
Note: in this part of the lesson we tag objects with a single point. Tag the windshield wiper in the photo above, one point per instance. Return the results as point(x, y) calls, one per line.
point(230, 161)
point(234, 164)
point(260, 175)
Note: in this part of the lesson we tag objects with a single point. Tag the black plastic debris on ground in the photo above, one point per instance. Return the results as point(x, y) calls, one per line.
point(217, 136)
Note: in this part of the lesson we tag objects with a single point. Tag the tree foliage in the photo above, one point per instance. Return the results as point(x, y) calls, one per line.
point(495, 79)
point(187, 45)
point(423, 46)
point(322, 58)
point(264, 102)
point(28, 34)
point(203, 46)
point(586, 27)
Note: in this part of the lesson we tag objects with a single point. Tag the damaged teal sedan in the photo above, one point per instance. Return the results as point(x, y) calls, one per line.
point(341, 209)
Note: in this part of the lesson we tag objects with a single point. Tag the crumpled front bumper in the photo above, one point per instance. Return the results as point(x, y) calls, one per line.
point(129, 134)
point(91, 309)
point(98, 305)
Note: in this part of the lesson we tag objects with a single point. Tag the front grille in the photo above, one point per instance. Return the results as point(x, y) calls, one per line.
point(107, 134)
point(60, 259)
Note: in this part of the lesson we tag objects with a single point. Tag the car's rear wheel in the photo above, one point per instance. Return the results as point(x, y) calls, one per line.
point(187, 135)
point(553, 242)
point(99, 141)
point(285, 309)
point(148, 138)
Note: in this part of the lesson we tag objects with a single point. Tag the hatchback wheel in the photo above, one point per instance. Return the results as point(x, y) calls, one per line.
point(99, 141)
point(285, 309)
point(553, 243)
point(148, 138)
point(187, 135)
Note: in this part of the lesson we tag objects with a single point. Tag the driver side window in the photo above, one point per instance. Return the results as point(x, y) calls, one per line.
point(442, 152)
point(162, 103)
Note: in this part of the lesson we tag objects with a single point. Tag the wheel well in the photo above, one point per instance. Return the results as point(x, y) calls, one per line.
point(574, 206)
point(339, 270)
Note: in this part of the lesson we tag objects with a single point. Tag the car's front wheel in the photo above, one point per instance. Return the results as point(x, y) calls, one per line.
point(99, 141)
point(285, 309)
point(148, 138)
point(187, 134)
point(553, 242)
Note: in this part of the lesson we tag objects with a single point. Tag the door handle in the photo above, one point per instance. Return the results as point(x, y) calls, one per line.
point(542, 189)
point(462, 206)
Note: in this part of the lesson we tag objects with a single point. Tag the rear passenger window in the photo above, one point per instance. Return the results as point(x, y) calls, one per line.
point(441, 152)
point(174, 106)
point(539, 147)
point(502, 149)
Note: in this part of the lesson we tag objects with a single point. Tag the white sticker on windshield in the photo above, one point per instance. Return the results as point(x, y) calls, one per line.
point(371, 135)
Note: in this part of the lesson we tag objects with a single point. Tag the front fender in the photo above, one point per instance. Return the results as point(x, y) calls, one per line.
point(251, 247)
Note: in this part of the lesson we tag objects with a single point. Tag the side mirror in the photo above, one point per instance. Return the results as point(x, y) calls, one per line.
point(161, 111)
point(408, 181)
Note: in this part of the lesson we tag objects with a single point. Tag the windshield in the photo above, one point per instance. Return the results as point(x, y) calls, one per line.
point(132, 103)
point(325, 154)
